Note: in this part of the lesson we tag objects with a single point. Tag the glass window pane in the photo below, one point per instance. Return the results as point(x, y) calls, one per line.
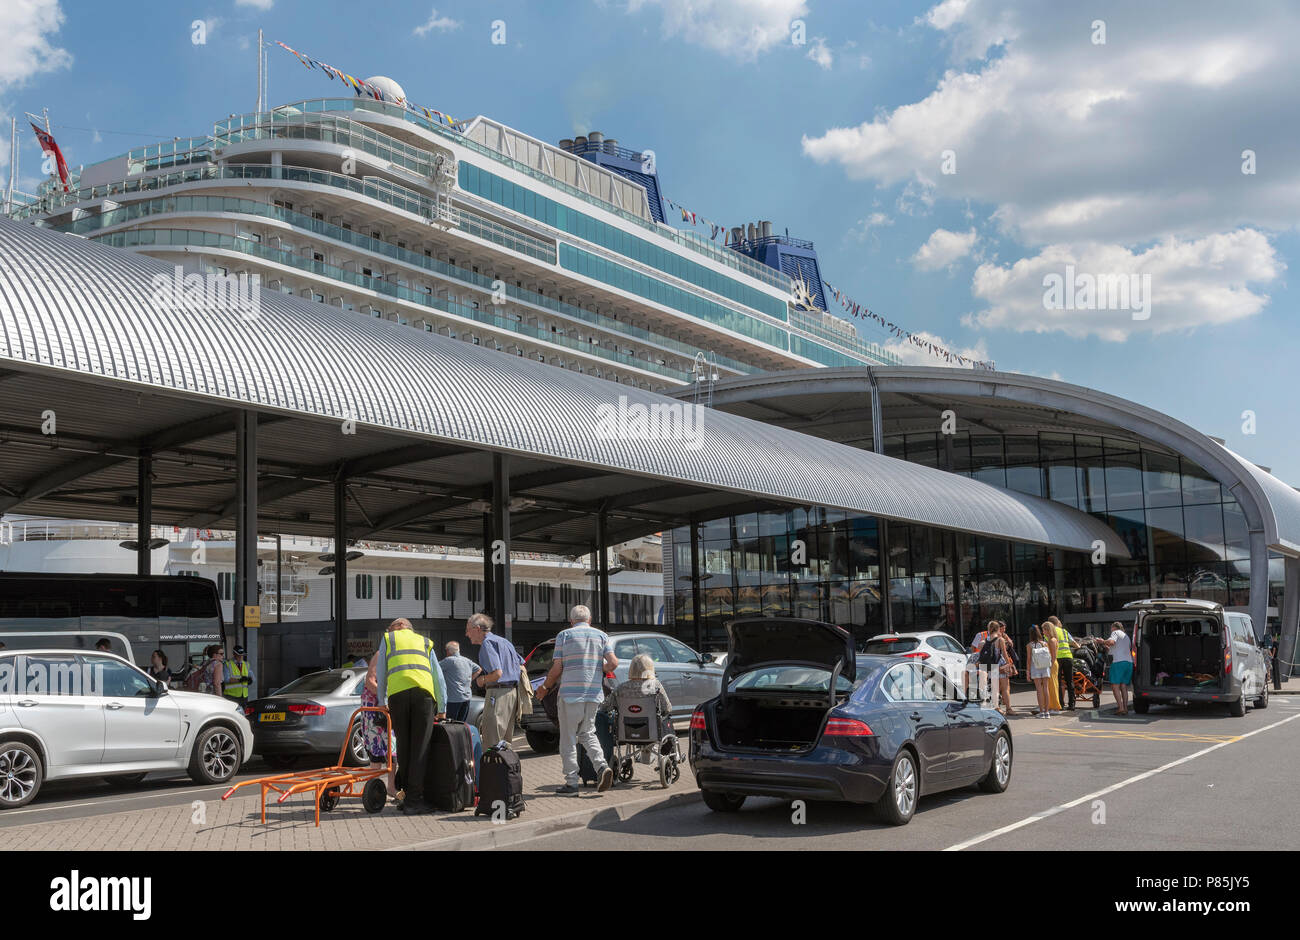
point(1203, 527)
point(1123, 481)
point(1198, 485)
point(1161, 481)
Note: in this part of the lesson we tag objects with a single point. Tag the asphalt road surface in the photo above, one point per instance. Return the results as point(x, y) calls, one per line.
point(1174, 779)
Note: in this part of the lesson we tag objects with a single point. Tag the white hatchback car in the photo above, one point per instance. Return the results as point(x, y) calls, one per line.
point(70, 714)
point(933, 647)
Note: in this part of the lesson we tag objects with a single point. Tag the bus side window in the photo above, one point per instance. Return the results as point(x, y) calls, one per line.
point(203, 601)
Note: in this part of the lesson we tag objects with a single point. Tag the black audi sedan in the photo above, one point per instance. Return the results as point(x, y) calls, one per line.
point(801, 716)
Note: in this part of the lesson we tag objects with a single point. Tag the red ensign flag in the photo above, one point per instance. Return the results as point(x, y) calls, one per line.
point(49, 146)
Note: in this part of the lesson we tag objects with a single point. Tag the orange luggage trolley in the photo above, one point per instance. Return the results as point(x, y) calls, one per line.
point(331, 784)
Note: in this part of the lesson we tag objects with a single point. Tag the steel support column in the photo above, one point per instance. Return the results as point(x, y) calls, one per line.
point(954, 557)
point(882, 525)
point(144, 513)
point(1290, 619)
point(246, 588)
point(1259, 582)
point(602, 572)
point(340, 567)
point(697, 613)
point(503, 599)
point(488, 595)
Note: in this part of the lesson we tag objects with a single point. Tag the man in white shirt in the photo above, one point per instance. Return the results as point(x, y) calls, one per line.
point(1121, 666)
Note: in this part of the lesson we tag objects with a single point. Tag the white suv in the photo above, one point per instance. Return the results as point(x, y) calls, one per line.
point(79, 714)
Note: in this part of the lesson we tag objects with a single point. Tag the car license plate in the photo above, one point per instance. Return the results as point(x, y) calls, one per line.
point(271, 716)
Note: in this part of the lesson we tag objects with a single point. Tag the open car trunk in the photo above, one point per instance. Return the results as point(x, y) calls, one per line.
point(1180, 652)
point(771, 722)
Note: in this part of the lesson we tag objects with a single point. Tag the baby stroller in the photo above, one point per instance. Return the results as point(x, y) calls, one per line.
point(641, 733)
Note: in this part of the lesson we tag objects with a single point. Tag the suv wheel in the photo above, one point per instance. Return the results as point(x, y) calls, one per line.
point(1237, 709)
point(21, 774)
point(1262, 701)
point(216, 757)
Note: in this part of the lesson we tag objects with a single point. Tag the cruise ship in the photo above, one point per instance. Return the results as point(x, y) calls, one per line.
point(561, 253)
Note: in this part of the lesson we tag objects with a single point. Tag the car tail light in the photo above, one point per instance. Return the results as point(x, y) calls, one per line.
point(847, 728)
point(1227, 662)
point(697, 720)
point(248, 711)
point(311, 708)
point(916, 655)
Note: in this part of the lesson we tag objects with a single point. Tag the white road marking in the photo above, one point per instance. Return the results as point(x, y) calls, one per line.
point(55, 807)
point(1056, 810)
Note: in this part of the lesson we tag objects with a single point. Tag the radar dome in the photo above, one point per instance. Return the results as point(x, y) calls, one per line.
point(392, 91)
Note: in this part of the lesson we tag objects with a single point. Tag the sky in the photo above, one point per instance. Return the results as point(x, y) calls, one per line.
point(948, 160)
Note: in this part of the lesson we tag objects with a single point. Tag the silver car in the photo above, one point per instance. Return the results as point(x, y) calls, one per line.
point(66, 714)
point(308, 718)
point(688, 677)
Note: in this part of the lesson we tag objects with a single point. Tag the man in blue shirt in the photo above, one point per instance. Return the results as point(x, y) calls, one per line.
point(583, 654)
point(459, 672)
point(499, 680)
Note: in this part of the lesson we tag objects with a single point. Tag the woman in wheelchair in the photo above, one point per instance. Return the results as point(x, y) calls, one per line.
point(640, 714)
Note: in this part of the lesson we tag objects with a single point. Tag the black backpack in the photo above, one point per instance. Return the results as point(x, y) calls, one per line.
point(500, 780)
point(989, 651)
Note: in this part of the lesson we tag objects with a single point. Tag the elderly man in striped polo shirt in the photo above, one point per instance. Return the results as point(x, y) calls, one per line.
point(583, 654)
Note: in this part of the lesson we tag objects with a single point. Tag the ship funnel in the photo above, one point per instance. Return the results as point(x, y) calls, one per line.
point(766, 229)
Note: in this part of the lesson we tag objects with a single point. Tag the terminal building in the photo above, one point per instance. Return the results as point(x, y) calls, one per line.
point(521, 285)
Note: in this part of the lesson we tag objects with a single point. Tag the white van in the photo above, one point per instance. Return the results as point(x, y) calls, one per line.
point(1194, 651)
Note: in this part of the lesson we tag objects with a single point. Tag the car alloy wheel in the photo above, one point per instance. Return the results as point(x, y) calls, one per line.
point(1002, 760)
point(221, 755)
point(360, 754)
point(905, 787)
point(18, 775)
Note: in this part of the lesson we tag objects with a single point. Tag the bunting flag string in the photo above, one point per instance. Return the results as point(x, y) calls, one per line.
point(364, 88)
point(934, 349)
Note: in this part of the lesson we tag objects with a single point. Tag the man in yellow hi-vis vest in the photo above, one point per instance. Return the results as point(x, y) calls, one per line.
point(237, 679)
point(410, 683)
point(1065, 647)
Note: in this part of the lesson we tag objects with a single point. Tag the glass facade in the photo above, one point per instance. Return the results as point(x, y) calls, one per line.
point(1186, 535)
point(534, 205)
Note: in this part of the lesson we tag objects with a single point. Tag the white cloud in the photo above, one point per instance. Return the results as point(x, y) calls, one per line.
point(26, 28)
point(739, 28)
point(1127, 142)
point(820, 53)
point(865, 228)
point(943, 249)
point(256, 4)
point(1099, 151)
point(442, 24)
point(1193, 283)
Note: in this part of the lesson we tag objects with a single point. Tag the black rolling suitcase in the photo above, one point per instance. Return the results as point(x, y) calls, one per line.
point(605, 734)
point(449, 771)
point(500, 781)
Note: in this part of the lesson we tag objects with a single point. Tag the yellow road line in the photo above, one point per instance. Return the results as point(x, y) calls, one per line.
point(1142, 735)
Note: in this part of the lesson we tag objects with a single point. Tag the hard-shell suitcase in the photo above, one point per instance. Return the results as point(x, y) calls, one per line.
point(449, 771)
point(501, 782)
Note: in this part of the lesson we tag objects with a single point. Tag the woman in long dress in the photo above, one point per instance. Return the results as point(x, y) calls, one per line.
point(1054, 687)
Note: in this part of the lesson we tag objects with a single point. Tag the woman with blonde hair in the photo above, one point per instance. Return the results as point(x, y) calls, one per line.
point(641, 681)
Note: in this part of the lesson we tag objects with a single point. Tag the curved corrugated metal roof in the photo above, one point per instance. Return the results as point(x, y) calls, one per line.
point(67, 304)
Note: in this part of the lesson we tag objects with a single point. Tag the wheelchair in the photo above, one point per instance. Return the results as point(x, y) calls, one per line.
point(642, 735)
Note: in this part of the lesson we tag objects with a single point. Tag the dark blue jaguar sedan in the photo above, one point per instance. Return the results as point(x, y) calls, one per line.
point(890, 732)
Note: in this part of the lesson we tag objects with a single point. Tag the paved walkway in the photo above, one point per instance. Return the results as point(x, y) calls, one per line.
point(235, 824)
